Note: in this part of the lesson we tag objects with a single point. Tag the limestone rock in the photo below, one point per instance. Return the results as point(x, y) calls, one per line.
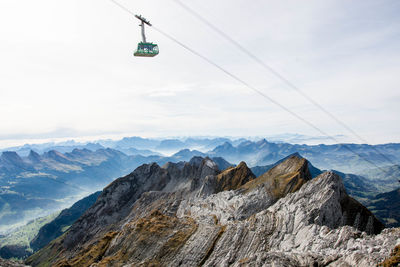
point(11, 263)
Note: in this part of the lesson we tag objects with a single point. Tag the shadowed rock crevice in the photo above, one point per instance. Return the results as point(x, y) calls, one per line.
point(358, 216)
point(210, 250)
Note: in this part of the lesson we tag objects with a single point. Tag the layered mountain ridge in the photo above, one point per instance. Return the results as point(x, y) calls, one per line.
point(193, 214)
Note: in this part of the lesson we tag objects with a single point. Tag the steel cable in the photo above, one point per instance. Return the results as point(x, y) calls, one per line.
point(254, 89)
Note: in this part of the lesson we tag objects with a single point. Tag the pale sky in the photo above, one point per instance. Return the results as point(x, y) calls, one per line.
point(67, 69)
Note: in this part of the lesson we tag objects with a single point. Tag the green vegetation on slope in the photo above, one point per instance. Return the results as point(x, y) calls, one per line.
point(19, 240)
point(386, 207)
point(25, 234)
point(385, 178)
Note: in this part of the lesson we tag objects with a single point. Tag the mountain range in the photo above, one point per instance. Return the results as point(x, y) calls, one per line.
point(38, 184)
point(350, 158)
point(194, 214)
point(353, 183)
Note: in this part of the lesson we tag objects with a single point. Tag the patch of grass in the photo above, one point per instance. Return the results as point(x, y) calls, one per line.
point(394, 259)
point(47, 255)
point(244, 260)
point(65, 228)
point(157, 230)
point(91, 254)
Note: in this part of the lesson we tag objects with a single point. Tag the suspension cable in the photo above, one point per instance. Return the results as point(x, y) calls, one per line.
point(278, 75)
point(265, 96)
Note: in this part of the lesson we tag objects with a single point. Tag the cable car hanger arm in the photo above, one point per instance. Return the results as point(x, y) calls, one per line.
point(144, 20)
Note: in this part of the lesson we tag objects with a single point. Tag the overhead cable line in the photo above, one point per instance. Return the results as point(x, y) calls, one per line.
point(277, 75)
point(265, 96)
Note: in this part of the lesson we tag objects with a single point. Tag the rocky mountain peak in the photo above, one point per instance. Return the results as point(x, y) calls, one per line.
point(230, 179)
point(209, 167)
point(187, 153)
point(286, 177)
point(262, 142)
point(196, 161)
point(11, 157)
point(11, 161)
point(197, 169)
point(222, 163)
point(233, 178)
point(109, 152)
point(34, 157)
point(57, 156)
point(80, 151)
point(335, 207)
point(227, 146)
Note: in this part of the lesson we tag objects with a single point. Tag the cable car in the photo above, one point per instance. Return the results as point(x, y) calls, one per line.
point(144, 48)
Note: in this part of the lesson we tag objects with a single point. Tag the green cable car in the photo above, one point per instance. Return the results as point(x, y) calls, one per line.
point(145, 49)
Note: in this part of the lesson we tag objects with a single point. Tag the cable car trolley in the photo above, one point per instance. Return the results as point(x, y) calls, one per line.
point(144, 48)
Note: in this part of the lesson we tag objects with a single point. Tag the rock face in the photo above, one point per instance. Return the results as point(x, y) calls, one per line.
point(113, 204)
point(191, 214)
point(233, 178)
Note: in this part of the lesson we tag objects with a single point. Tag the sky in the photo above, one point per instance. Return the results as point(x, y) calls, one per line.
point(67, 69)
